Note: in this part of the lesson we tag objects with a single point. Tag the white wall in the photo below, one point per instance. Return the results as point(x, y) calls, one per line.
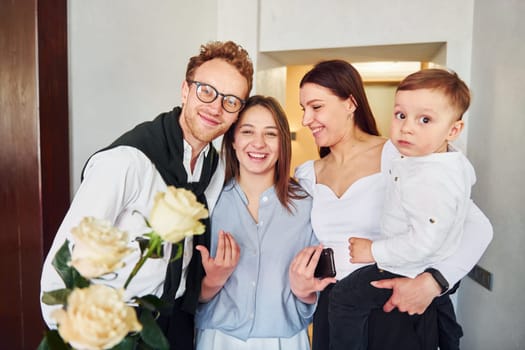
point(496, 319)
point(127, 60)
point(312, 24)
point(237, 20)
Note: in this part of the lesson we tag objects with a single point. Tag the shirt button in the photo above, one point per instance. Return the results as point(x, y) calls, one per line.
point(265, 199)
point(253, 283)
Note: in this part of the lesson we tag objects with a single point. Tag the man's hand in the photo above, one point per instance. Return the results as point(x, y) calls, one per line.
point(302, 281)
point(360, 250)
point(412, 295)
point(220, 268)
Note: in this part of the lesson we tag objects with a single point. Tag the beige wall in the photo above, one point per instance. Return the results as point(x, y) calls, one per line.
point(303, 148)
point(381, 99)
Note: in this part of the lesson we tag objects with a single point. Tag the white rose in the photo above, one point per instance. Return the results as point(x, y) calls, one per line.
point(176, 214)
point(96, 318)
point(99, 247)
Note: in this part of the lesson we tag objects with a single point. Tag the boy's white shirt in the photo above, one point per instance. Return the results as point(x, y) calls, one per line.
point(433, 193)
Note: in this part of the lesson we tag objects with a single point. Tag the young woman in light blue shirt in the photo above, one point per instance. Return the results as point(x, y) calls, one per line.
point(260, 222)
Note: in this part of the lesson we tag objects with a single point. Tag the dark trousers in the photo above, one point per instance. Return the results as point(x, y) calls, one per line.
point(449, 330)
point(178, 327)
point(394, 330)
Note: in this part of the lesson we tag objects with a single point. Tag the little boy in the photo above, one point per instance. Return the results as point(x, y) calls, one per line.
point(427, 198)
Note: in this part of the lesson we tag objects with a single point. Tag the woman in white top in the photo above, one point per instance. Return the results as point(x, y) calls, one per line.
point(348, 190)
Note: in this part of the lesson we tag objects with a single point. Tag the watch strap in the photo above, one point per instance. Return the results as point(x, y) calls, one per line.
point(439, 278)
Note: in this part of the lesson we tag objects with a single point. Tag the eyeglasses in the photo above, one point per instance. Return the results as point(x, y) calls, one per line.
point(207, 94)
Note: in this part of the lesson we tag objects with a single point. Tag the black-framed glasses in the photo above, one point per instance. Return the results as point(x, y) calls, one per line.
point(207, 94)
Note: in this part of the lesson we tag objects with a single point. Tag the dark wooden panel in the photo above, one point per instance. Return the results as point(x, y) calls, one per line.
point(20, 170)
point(34, 157)
point(54, 121)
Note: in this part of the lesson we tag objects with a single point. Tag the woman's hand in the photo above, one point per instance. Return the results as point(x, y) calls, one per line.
point(220, 268)
point(302, 281)
point(412, 295)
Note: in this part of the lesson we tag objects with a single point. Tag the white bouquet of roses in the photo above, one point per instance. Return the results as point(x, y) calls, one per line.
point(96, 316)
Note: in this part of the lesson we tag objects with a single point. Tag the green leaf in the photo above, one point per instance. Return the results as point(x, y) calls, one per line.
point(56, 297)
point(128, 343)
point(79, 281)
point(71, 277)
point(53, 341)
point(61, 264)
point(43, 345)
point(151, 242)
point(177, 246)
point(150, 302)
point(151, 333)
point(156, 244)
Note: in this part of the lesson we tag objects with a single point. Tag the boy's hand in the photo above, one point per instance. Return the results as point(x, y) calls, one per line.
point(360, 250)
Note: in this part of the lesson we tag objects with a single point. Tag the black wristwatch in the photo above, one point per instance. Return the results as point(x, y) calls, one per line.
point(441, 281)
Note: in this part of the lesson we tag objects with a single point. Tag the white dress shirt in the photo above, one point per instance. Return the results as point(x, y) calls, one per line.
point(118, 184)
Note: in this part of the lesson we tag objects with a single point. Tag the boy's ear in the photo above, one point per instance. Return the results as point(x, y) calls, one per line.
point(455, 130)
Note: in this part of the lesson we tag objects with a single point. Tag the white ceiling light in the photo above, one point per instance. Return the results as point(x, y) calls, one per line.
point(387, 70)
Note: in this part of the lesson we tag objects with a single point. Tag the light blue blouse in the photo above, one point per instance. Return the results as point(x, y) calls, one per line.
point(256, 301)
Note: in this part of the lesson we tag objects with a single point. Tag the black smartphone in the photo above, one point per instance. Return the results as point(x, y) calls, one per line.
point(326, 265)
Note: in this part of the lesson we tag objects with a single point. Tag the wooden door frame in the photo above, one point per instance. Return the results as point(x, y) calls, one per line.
point(34, 156)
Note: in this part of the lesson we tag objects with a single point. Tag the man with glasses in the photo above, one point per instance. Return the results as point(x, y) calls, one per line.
point(173, 149)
